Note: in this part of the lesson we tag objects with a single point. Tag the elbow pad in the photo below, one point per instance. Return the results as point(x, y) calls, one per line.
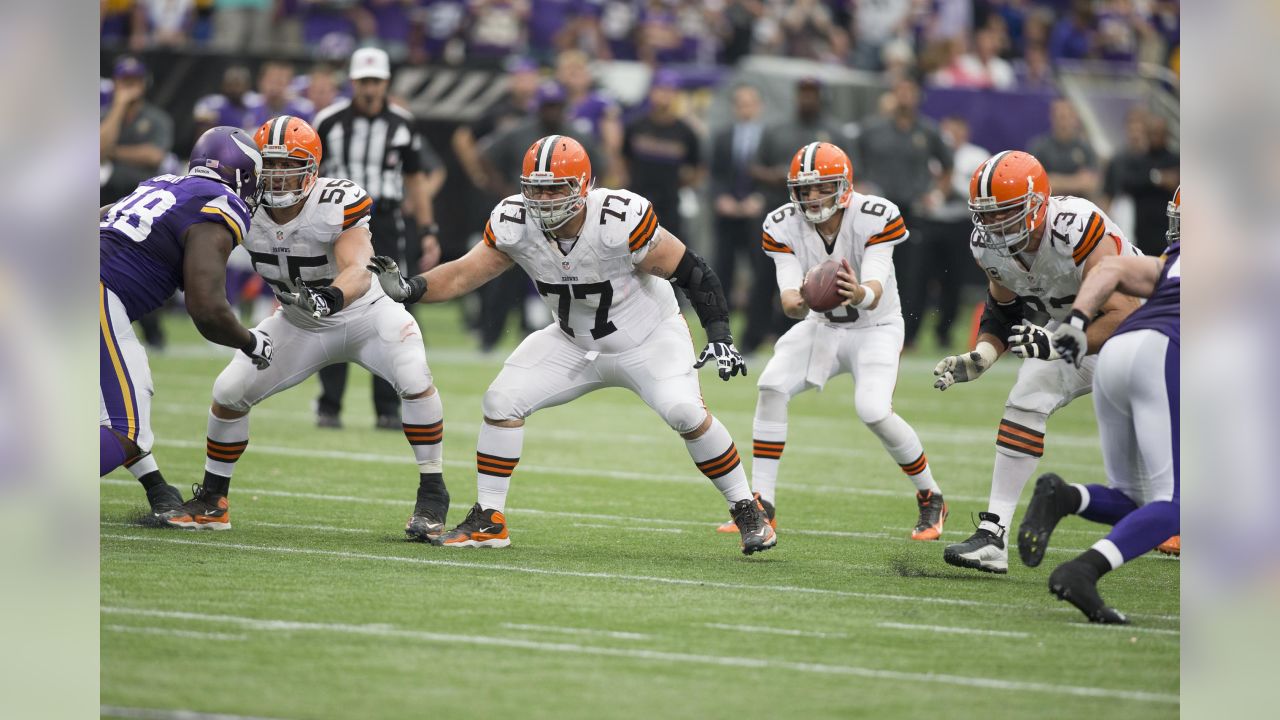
point(999, 318)
point(705, 293)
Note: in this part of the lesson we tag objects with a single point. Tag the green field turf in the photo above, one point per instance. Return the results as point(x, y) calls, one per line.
point(616, 598)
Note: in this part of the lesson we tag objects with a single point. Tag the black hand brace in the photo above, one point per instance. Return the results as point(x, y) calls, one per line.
point(999, 318)
point(705, 293)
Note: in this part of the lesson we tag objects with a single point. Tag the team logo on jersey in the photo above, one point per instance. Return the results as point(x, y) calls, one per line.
point(279, 236)
point(994, 273)
point(566, 265)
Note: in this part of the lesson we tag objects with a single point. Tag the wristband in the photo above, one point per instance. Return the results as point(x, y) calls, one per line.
point(868, 298)
point(333, 296)
point(1078, 320)
point(718, 331)
point(417, 288)
point(432, 229)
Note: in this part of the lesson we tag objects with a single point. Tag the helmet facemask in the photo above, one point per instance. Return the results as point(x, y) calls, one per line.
point(1006, 226)
point(285, 180)
point(819, 209)
point(551, 213)
point(1174, 233)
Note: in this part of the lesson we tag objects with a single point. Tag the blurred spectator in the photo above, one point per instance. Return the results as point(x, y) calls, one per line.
point(590, 112)
point(808, 31)
point(1073, 36)
point(232, 106)
point(1034, 71)
point(1066, 154)
point(783, 139)
point(169, 22)
point(391, 22)
point(619, 28)
point(1013, 15)
point(946, 20)
point(437, 31)
point(134, 135)
point(549, 21)
point(739, 208)
point(496, 28)
point(242, 25)
point(661, 153)
point(983, 68)
point(377, 146)
point(1148, 175)
point(737, 28)
point(511, 110)
point(120, 21)
point(903, 158)
point(274, 81)
point(320, 87)
point(876, 23)
point(329, 26)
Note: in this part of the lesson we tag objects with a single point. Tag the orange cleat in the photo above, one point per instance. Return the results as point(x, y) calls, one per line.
point(1172, 546)
point(204, 511)
point(481, 528)
point(933, 513)
point(770, 512)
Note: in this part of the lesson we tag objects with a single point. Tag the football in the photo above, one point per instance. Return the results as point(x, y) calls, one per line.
point(819, 289)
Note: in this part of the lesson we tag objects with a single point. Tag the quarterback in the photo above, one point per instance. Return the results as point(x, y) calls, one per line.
point(827, 220)
point(606, 268)
point(310, 242)
point(173, 231)
point(1036, 249)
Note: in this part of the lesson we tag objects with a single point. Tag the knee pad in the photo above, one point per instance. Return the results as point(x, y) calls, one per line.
point(498, 405)
point(229, 389)
point(685, 417)
point(872, 411)
point(771, 406)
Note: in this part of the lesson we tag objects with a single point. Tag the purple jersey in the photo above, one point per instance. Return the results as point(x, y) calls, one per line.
point(587, 114)
point(141, 238)
point(1163, 310)
point(217, 109)
point(297, 107)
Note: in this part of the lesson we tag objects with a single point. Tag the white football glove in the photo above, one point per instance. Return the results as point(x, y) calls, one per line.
point(963, 368)
point(258, 349)
point(393, 283)
point(729, 361)
point(1070, 340)
point(1032, 341)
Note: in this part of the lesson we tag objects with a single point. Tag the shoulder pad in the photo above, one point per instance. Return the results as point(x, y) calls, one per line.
point(627, 218)
point(507, 223)
point(879, 219)
point(777, 229)
point(229, 210)
point(1076, 228)
point(342, 203)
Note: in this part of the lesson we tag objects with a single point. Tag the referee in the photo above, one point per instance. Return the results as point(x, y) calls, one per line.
point(374, 144)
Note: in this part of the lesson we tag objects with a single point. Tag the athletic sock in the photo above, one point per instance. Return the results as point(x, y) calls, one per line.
point(1107, 505)
point(225, 443)
point(146, 471)
point(769, 439)
point(1096, 561)
point(1019, 446)
point(423, 422)
point(904, 446)
point(497, 454)
point(716, 456)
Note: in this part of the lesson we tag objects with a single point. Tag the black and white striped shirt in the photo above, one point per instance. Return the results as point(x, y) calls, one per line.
point(373, 152)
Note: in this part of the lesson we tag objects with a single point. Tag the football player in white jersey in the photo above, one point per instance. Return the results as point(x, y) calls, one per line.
point(1035, 249)
point(827, 220)
point(606, 268)
point(310, 241)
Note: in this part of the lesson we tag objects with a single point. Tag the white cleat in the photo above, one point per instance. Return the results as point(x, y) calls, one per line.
point(984, 550)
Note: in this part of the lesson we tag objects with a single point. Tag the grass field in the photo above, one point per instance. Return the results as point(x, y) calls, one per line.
point(616, 598)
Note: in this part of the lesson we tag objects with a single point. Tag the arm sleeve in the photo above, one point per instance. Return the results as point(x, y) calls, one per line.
point(790, 274)
point(877, 263)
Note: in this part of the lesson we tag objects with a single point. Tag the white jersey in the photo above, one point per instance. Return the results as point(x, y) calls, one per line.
point(600, 299)
point(868, 221)
point(303, 247)
point(1074, 228)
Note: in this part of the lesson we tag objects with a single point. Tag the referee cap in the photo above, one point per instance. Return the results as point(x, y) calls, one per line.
point(370, 63)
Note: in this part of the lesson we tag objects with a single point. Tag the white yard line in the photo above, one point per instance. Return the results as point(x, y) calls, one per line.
point(287, 526)
point(648, 579)
point(116, 711)
point(616, 634)
point(777, 631)
point(507, 643)
point(629, 528)
point(1126, 628)
point(193, 634)
point(954, 630)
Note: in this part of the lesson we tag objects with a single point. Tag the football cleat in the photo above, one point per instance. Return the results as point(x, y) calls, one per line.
point(205, 511)
point(423, 527)
point(757, 533)
point(933, 513)
point(1172, 546)
point(481, 528)
point(1077, 583)
point(769, 512)
point(328, 420)
point(166, 507)
point(984, 550)
point(1044, 512)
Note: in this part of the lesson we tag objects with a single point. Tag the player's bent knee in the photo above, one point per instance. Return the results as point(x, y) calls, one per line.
point(499, 406)
point(688, 419)
point(431, 390)
point(771, 405)
point(872, 412)
point(230, 390)
point(503, 423)
point(225, 413)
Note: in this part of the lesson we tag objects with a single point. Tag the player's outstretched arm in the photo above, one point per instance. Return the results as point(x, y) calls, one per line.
point(1115, 306)
point(204, 274)
point(443, 282)
point(1083, 333)
point(998, 318)
point(669, 258)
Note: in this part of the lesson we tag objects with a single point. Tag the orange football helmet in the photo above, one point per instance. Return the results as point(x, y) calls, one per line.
point(1009, 199)
point(1174, 211)
point(555, 180)
point(290, 160)
point(825, 165)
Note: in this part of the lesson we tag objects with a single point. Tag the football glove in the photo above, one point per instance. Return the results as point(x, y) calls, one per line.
point(1032, 341)
point(258, 349)
point(319, 301)
point(963, 368)
point(729, 361)
point(1070, 340)
point(395, 285)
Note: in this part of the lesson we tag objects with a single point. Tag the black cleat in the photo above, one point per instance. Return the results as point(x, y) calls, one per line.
point(167, 507)
point(984, 550)
point(1047, 507)
point(757, 534)
point(1077, 583)
point(328, 420)
point(388, 422)
point(423, 527)
point(770, 513)
point(933, 513)
point(481, 528)
point(205, 511)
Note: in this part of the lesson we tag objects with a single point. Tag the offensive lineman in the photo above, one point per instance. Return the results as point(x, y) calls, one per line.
point(602, 262)
point(826, 220)
point(1036, 249)
point(310, 242)
point(1136, 396)
point(173, 231)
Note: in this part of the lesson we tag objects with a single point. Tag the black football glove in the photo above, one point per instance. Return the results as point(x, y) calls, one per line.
point(258, 349)
point(1070, 339)
point(729, 361)
point(319, 301)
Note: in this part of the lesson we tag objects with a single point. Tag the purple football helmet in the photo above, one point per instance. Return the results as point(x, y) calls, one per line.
point(230, 156)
